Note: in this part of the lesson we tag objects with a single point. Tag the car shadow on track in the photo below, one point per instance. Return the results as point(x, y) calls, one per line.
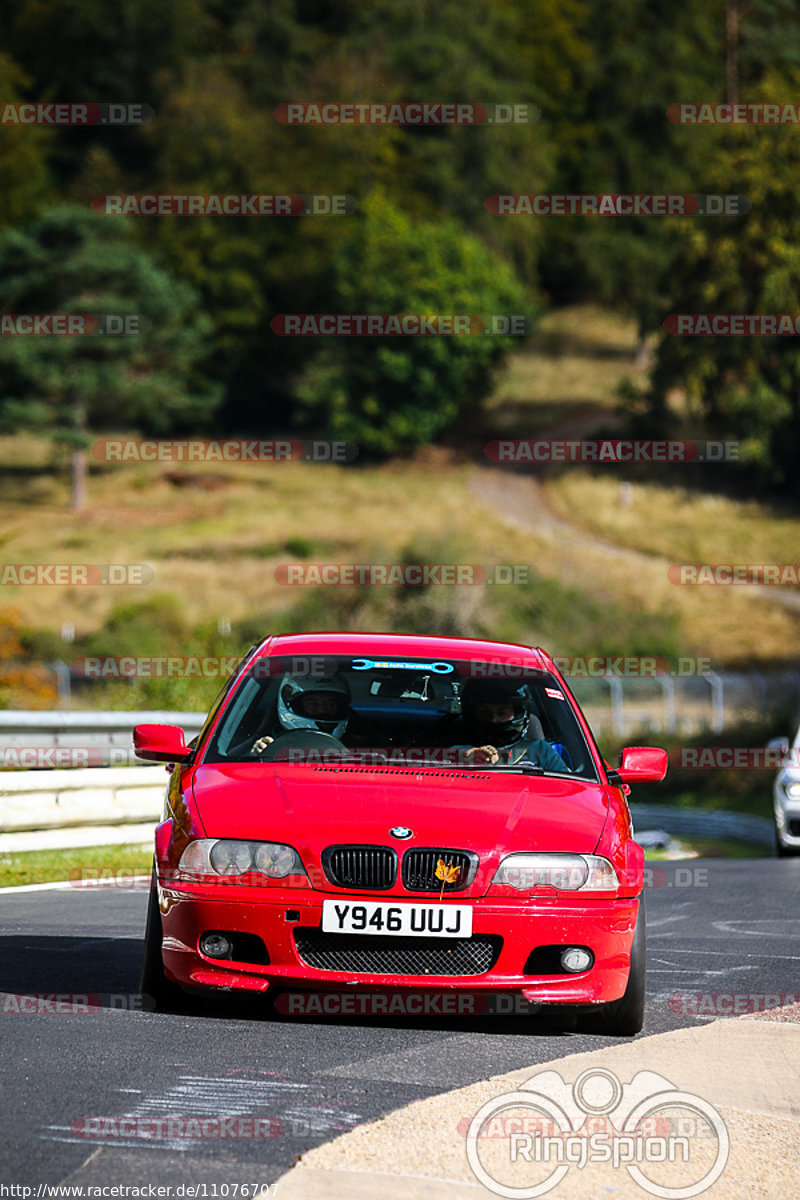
point(79, 973)
point(105, 968)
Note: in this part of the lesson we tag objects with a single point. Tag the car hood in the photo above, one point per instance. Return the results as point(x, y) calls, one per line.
point(314, 807)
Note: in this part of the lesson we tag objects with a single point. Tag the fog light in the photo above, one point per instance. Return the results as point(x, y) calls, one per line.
point(575, 959)
point(216, 945)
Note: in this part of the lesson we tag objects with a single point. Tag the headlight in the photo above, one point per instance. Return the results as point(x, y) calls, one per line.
point(275, 860)
point(231, 858)
point(792, 791)
point(209, 856)
point(566, 872)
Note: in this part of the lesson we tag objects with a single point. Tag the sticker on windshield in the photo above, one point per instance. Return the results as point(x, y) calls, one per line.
point(369, 664)
point(554, 693)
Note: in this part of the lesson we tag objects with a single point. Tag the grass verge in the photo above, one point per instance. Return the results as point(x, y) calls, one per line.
point(83, 862)
point(704, 848)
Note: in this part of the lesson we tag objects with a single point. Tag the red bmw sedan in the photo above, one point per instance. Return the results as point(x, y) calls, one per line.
point(393, 814)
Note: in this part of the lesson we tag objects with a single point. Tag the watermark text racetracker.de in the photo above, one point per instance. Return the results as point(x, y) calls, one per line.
point(61, 1004)
point(180, 1125)
point(61, 758)
point(733, 758)
point(733, 324)
point(730, 1004)
point(523, 1144)
point(547, 450)
point(409, 113)
point(599, 666)
point(76, 114)
point(207, 666)
point(735, 574)
point(401, 574)
point(248, 450)
point(654, 876)
point(201, 204)
point(734, 114)
point(75, 574)
point(73, 324)
point(156, 666)
point(614, 205)
point(400, 324)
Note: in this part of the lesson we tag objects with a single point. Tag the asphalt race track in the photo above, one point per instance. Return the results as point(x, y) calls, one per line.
point(714, 926)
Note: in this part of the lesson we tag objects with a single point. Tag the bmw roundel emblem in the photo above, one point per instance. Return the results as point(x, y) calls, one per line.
point(401, 832)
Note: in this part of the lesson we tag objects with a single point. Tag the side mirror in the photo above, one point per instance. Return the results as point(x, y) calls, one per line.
point(640, 763)
point(160, 743)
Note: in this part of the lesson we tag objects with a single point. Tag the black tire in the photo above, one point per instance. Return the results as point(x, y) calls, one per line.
point(625, 1017)
point(156, 991)
point(785, 851)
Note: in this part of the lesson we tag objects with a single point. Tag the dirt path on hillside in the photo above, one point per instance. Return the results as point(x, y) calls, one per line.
point(520, 500)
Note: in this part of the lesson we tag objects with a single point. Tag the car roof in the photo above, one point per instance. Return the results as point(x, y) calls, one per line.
point(411, 645)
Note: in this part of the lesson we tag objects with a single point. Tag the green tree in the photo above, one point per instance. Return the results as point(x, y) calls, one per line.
point(394, 393)
point(23, 168)
point(747, 387)
point(71, 261)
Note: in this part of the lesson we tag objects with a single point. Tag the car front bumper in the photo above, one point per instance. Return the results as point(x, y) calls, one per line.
point(787, 815)
point(605, 926)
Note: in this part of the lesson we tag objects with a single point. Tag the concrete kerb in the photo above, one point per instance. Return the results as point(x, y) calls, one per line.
point(747, 1068)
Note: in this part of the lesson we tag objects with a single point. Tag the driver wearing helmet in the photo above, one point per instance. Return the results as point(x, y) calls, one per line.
point(496, 716)
point(319, 705)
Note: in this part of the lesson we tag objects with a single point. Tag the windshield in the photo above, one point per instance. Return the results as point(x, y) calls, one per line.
point(402, 712)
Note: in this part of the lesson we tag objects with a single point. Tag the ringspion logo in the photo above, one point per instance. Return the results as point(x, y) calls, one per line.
point(524, 1143)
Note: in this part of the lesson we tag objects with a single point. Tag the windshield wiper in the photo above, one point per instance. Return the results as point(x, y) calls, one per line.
point(527, 768)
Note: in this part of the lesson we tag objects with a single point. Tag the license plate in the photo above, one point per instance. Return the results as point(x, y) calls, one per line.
point(402, 920)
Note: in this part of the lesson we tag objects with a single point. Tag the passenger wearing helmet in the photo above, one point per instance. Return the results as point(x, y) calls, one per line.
point(319, 705)
point(496, 718)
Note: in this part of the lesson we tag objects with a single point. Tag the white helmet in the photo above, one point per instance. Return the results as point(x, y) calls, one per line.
point(293, 694)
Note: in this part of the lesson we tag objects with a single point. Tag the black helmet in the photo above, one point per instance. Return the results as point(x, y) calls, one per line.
point(505, 693)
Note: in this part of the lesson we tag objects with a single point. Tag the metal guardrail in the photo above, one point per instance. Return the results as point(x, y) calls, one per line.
point(710, 823)
point(686, 705)
point(37, 800)
point(105, 736)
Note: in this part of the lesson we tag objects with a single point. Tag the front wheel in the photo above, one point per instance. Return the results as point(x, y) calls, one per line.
point(784, 851)
point(157, 992)
point(625, 1017)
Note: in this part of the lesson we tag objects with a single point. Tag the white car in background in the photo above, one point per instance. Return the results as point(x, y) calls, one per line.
point(786, 794)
